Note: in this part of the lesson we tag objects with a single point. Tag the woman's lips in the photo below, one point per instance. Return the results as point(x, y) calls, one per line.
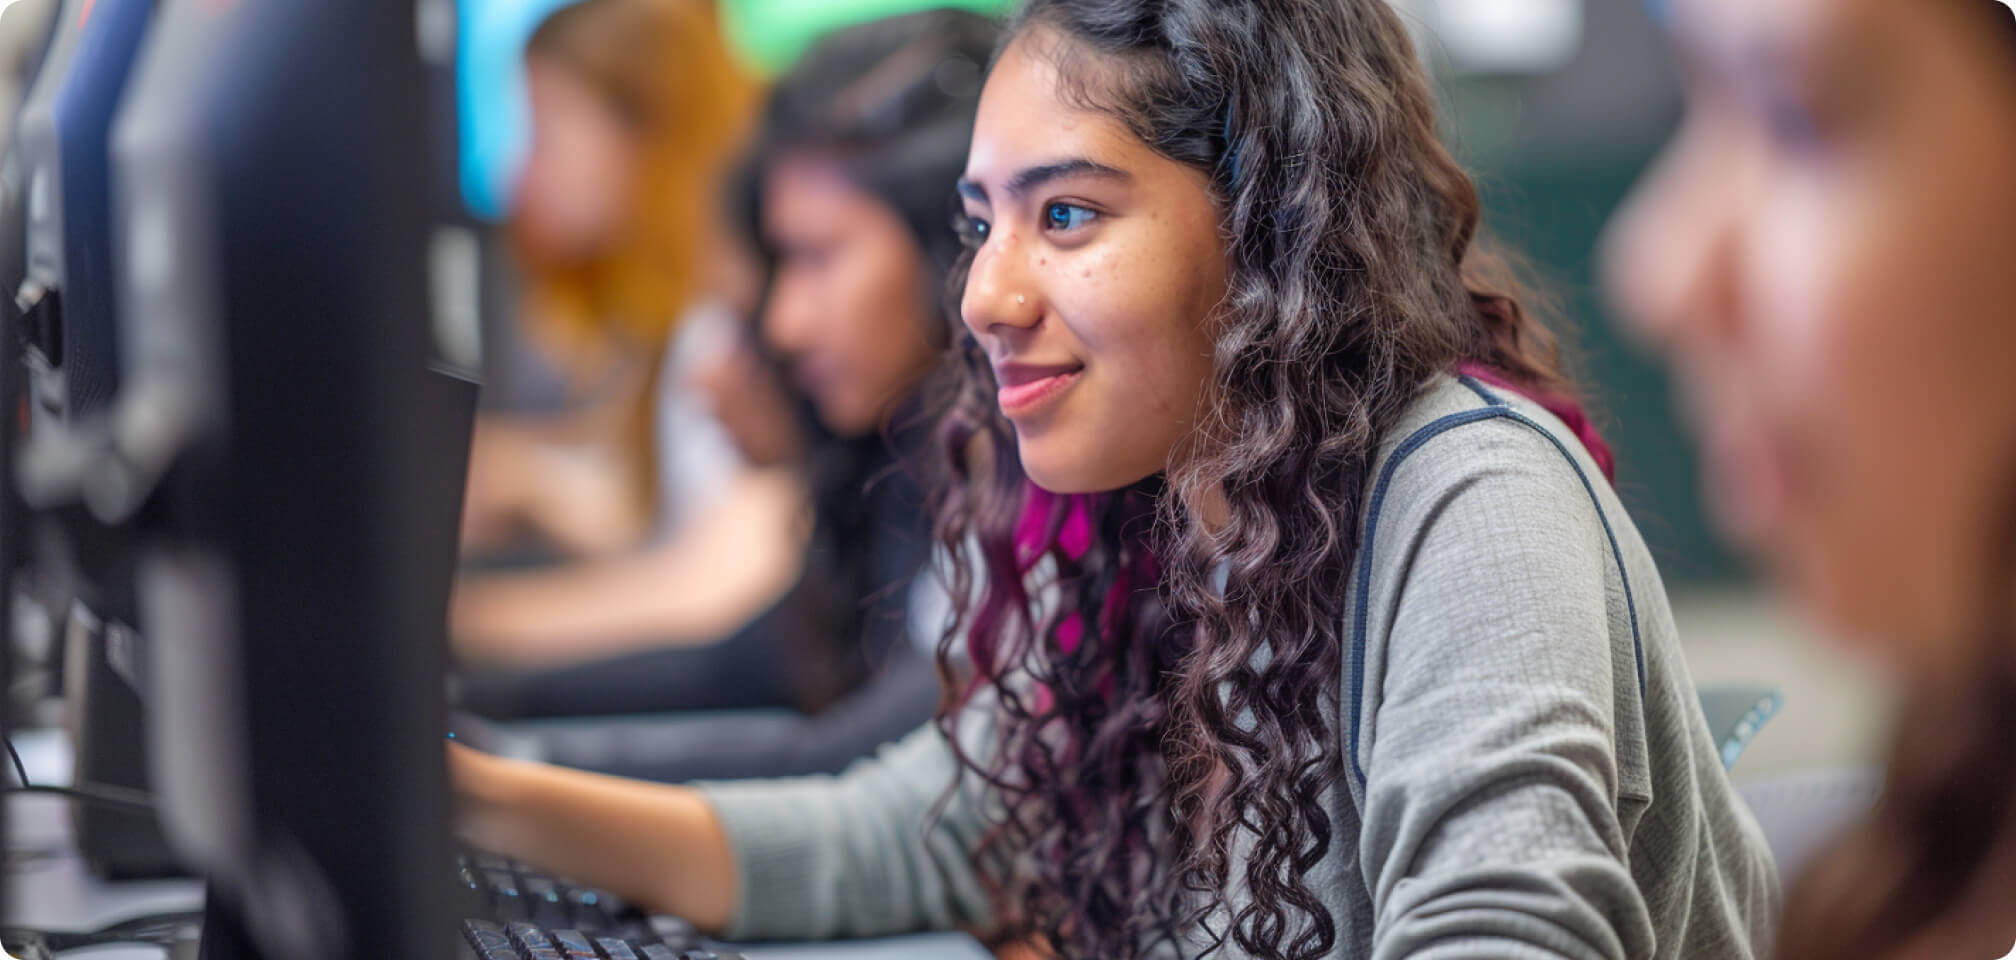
point(1027, 388)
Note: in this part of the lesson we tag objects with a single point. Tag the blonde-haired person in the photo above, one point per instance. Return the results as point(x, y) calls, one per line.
point(637, 109)
point(633, 281)
point(1825, 253)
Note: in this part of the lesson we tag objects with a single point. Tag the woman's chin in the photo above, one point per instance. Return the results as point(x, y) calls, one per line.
point(1060, 480)
point(1065, 468)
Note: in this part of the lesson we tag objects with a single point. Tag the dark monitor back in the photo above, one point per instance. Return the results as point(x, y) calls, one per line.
point(286, 440)
point(100, 637)
point(38, 143)
point(109, 33)
point(10, 410)
point(13, 266)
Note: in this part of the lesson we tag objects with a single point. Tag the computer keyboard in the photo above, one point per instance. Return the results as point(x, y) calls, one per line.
point(516, 912)
point(489, 940)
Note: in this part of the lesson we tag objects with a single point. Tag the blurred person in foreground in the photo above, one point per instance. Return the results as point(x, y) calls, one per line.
point(850, 190)
point(633, 279)
point(1825, 253)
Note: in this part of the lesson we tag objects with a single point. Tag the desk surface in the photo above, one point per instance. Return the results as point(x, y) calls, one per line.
point(48, 887)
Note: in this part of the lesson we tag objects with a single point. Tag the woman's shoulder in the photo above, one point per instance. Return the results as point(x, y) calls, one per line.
point(1459, 431)
point(1488, 467)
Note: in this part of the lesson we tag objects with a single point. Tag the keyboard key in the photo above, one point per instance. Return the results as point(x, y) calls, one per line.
point(542, 897)
point(540, 888)
point(488, 940)
point(676, 933)
point(612, 904)
point(657, 951)
point(591, 909)
point(533, 943)
point(615, 949)
point(505, 896)
point(575, 945)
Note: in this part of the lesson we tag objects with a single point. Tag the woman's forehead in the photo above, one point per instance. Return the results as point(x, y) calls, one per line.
point(1024, 118)
point(1801, 21)
point(1747, 34)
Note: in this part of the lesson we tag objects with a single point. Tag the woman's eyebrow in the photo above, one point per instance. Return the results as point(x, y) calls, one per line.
point(1030, 178)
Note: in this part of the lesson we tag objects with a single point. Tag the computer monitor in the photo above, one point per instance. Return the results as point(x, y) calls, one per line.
point(289, 444)
point(30, 162)
point(40, 145)
point(84, 571)
point(13, 267)
point(11, 396)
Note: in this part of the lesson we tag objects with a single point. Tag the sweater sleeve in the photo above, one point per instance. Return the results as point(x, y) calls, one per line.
point(1492, 823)
point(859, 854)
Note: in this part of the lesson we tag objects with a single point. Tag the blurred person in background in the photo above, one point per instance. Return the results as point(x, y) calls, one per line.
point(633, 279)
point(1826, 255)
point(849, 191)
point(637, 108)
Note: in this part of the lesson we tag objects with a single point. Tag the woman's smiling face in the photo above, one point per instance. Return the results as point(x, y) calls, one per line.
point(1097, 269)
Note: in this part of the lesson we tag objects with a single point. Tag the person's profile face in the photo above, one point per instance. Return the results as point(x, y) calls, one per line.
point(1826, 255)
point(580, 174)
point(1097, 267)
point(850, 305)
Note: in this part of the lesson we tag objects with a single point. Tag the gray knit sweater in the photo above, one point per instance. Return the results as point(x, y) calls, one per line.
point(1529, 772)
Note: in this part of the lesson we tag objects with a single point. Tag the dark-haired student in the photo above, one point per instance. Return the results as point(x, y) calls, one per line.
point(1301, 618)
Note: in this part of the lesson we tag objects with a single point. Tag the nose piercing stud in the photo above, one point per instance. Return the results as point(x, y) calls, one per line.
point(1020, 299)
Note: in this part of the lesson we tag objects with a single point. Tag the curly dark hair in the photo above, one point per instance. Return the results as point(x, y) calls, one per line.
point(1166, 732)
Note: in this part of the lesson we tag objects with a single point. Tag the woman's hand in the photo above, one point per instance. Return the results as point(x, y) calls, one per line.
point(655, 845)
point(744, 395)
point(477, 784)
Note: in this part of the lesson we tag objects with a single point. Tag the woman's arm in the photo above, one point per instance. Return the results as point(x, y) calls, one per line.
point(860, 854)
point(734, 561)
point(655, 845)
point(1496, 808)
point(568, 479)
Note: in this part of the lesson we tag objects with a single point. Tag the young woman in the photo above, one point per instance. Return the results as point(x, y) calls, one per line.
point(637, 108)
point(850, 190)
point(1825, 254)
point(1285, 639)
point(596, 450)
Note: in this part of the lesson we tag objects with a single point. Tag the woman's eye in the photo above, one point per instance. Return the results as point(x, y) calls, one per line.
point(1788, 122)
point(1066, 216)
point(801, 257)
point(1796, 120)
point(972, 230)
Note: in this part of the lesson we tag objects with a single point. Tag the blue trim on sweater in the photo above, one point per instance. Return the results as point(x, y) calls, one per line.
point(1498, 409)
point(1480, 390)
